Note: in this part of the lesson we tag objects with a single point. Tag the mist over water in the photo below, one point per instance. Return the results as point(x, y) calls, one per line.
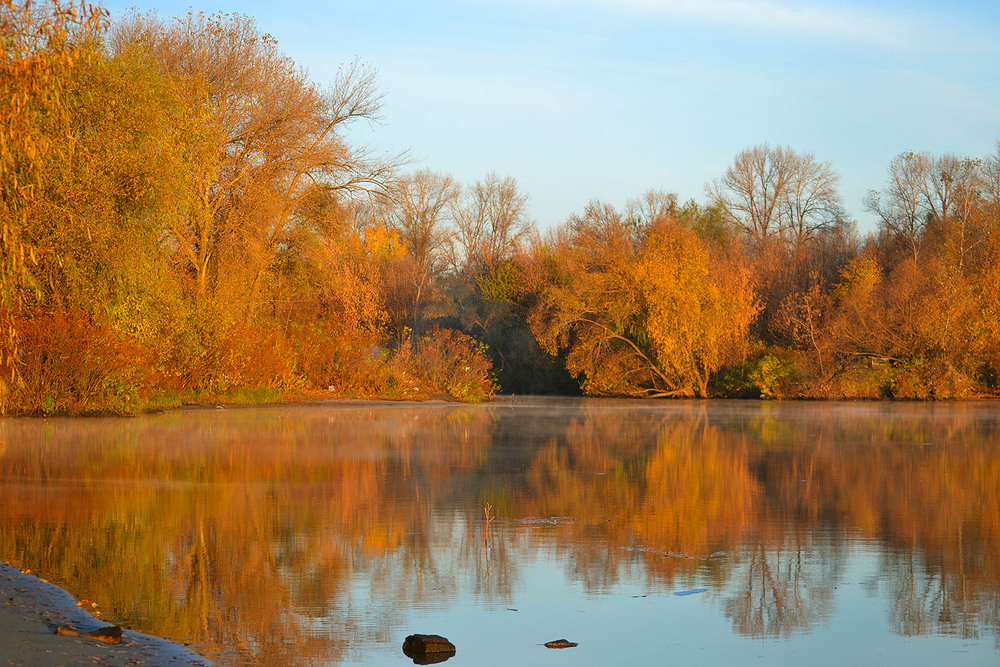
point(703, 532)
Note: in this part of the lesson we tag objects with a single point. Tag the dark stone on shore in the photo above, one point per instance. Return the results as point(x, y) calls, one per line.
point(112, 634)
point(427, 649)
point(109, 634)
point(560, 643)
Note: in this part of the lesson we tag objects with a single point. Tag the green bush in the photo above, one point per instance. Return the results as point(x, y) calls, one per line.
point(772, 375)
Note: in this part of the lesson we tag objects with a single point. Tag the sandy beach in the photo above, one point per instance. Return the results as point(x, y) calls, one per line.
point(31, 610)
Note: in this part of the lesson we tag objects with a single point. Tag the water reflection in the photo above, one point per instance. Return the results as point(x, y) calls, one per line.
point(307, 534)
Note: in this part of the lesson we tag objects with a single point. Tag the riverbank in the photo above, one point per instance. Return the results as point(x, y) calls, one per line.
point(255, 398)
point(30, 611)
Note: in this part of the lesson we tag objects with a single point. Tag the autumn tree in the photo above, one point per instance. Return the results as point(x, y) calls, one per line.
point(183, 212)
point(643, 310)
point(269, 136)
point(591, 312)
point(785, 207)
point(92, 140)
point(910, 330)
point(936, 243)
point(700, 304)
point(328, 295)
point(41, 49)
point(859, 325)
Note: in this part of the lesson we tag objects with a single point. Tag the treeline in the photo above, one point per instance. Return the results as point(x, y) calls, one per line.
point(769, 291)
point(184, 219)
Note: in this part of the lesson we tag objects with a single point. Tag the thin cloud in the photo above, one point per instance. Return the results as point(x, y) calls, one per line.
point(795, 19)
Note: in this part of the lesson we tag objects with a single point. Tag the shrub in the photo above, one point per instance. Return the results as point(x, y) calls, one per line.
point(75, 364)
point(920, 379)
point(346, 360)
point(449, 362)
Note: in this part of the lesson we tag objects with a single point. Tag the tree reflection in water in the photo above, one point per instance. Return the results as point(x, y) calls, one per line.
point(249, 533)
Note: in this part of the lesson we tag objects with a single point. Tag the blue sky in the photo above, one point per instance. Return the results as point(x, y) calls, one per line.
point(604, 99)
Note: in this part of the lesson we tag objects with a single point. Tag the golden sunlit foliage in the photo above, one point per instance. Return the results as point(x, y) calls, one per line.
point(701, 304)
point(181, 214)
point(644, 309)
point(44, 48)
point(182, 191)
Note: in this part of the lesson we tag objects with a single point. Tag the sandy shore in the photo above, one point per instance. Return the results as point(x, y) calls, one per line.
point(30, 612)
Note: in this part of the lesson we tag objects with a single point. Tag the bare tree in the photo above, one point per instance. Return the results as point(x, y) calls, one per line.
point(418, 208)
point(900, 204)
point(650, 207)
point(924, 189)
point(491, 219)
point(991, 179)
point(601, 238)
point(810, 203)
point(750, 190)
point(777, 193)
point(962, 179)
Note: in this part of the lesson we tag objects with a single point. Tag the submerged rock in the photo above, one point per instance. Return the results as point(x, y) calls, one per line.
point(560, 643)
point(109, 634)
point(428, 649)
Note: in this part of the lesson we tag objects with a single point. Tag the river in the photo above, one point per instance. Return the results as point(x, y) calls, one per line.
point(649, 532)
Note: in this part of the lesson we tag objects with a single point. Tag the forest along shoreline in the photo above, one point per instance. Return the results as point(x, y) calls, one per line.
point(151, 259)
point(31, 609)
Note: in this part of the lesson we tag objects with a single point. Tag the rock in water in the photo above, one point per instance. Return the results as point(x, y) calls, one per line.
point(560, 643)
point(428, 649)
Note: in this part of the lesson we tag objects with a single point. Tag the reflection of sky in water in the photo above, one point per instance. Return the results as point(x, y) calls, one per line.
point(639, 624)
point(642, 621)
point(825, 534)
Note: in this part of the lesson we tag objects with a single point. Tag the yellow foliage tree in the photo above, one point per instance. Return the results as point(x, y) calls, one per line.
point(650, 311)
point(591, 308)
point(700, 304)
point(41, 49)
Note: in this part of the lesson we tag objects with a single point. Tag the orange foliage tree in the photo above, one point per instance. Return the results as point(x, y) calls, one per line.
point(643, 310)
point(42, 49)
point(700, 304)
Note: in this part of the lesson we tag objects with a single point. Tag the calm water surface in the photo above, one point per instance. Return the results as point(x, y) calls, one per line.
point(695, 533)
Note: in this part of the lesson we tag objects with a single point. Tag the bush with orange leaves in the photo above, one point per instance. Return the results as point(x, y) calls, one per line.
point(448, 362)
point(73, 363)
point(341, 358)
